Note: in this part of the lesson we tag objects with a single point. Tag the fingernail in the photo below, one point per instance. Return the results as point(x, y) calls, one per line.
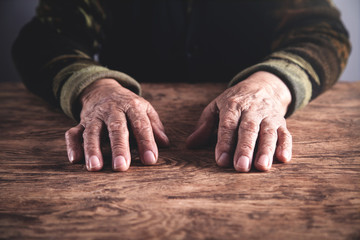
point(286, 155)
point(263, 161)
point(71, 156)
point(119, 163)
point(94, 162)
point(243, 164)
point(149, 158)
point(223, 160)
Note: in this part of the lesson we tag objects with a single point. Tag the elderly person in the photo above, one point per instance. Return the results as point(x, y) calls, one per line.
point(278, 55)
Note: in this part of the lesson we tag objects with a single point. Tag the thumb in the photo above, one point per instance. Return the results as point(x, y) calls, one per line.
point(205, 127)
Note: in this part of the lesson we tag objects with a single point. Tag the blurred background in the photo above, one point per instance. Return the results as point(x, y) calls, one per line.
point(15, 13)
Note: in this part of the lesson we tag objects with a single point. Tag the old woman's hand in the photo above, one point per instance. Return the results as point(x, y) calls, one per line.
point(250, 112)
point(108, 105)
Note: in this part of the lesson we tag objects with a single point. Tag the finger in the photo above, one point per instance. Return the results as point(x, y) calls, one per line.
point(157, 127)
point(247, 136)
point(228, 125)
point(91, 136)
point(119, 140)
point(144, 136)
point(284, 148)
point(267, 144)
point(205, 127)
point(73, 139)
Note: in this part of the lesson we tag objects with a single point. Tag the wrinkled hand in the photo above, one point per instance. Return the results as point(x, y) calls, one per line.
point(105, 103)
point(251, 111)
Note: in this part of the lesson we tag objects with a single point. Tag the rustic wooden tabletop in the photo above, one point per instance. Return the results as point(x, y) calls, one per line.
point(186, 196)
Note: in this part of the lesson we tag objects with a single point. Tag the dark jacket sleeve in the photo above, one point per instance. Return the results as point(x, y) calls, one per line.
point(54, 52)
point(310, 49)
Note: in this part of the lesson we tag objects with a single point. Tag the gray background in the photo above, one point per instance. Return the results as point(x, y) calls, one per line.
point(15, 13)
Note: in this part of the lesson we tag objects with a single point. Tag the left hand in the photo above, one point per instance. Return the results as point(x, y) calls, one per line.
point(250, 111)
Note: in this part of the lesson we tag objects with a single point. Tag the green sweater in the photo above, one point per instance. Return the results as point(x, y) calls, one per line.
point(70, 44)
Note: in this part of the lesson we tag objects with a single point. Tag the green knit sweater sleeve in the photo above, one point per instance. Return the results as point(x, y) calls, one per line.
point(54, 53)
point(309, 50)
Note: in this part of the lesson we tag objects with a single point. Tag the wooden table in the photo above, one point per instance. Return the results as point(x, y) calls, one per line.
point(186, 196)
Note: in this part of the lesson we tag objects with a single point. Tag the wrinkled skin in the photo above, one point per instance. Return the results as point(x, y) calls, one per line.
point(250, 112)
point(105, 103)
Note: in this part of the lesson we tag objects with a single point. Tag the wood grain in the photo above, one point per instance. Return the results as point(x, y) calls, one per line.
point(186, 196)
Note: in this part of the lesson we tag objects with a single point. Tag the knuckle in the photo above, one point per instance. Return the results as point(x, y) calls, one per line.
point(249, 126)
point(140, 125)
point(226, 138)
point(233, 103)
point(116, 126)
point(133, 105)
point(92, 131)
point(91, 145)
point(246, 148)
point(269, 132)
point(144, 142)
point(117, 134)
point(145, 133)
point(137, 103)
point(137, 124)
point(228, 124)
point(118, 147)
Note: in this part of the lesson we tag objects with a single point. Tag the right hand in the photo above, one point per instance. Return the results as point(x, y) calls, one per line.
point(105, 103)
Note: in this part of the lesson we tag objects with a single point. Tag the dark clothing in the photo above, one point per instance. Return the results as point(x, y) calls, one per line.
point(303, 42)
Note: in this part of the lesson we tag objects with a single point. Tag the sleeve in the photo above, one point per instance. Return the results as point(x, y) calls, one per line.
point(54, 53)
point(309, 50)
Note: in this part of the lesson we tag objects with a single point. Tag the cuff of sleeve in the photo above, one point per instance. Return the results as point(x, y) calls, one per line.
point(292, 74)
point(80, 79)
